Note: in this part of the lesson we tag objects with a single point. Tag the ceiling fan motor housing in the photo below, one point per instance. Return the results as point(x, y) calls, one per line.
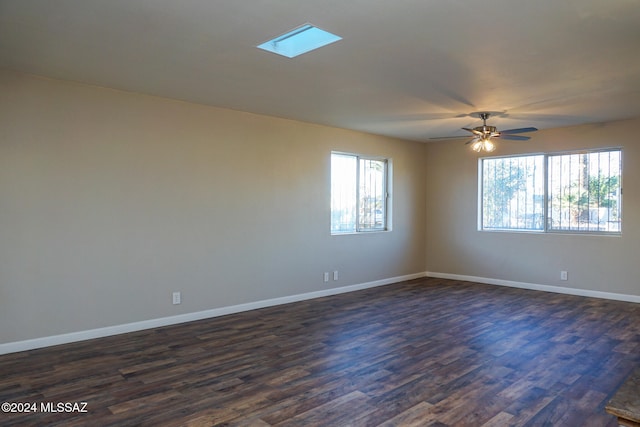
point(486, 129)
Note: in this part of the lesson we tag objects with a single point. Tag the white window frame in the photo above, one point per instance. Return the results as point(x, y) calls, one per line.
point(547, 226)
point(386, 222)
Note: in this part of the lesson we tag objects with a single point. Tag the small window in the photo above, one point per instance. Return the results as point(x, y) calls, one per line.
point(574, 192)
point(359, 193)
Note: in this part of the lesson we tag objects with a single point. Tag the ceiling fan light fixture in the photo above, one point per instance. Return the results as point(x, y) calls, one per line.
point(484, 144)
point(483, 134)
point(488, 145)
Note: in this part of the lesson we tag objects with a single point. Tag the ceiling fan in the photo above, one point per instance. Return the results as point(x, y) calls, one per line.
point(483, 134)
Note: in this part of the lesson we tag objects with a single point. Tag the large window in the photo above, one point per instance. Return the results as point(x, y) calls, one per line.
point(578, 192)
point(359, 193)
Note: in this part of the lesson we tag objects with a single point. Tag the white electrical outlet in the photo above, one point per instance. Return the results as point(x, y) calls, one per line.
point(326, 276)
point(176, 298)
point(335, 275)
point(564, 275)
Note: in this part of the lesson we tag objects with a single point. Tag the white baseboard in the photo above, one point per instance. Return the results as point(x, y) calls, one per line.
point(536, 287)
point(31, 344)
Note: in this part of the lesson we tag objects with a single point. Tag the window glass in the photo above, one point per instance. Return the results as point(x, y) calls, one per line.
point(585, 192)
point(358, 193)
point(343, 193)
point(579, 192)
point(513, 193)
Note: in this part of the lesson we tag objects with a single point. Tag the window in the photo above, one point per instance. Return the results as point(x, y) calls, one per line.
point(513, 193)
point(358, 193)
point(579, 192)
point(585, 192)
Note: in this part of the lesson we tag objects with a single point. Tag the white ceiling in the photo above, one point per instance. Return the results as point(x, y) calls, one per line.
point(413, 69)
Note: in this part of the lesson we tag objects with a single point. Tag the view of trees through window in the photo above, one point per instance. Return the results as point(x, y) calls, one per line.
point(578, 192)
point(585, 192)
point(513, 193)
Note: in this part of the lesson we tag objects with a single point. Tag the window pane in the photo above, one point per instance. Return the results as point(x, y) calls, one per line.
point(358, 194)
point(371, 202)
point(343, 193)
point(585, 191)
point(513, 193)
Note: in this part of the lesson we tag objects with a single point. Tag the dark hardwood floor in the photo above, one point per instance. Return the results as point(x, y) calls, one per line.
point(427, 352)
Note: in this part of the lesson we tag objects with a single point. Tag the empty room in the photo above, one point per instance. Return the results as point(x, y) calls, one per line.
point(319, 213)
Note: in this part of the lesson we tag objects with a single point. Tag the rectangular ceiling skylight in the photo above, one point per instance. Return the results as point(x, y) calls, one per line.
point(298, 41)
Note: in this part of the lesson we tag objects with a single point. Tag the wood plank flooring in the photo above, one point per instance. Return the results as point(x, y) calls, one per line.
point(427, 352)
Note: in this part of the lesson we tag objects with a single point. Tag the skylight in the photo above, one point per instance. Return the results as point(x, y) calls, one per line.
point(299, 40)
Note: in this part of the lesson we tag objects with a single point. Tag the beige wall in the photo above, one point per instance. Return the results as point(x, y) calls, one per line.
point(597, 263)
point(111, 200)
